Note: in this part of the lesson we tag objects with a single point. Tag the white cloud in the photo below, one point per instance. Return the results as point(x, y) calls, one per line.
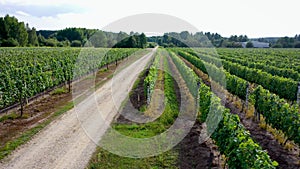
point(255, 18)
point(22, 13)
point(41, 2)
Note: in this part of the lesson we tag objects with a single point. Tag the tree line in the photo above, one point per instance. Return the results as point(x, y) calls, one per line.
point(287, 42)
point(14, 33)
point(199, 39)
point(207, 39)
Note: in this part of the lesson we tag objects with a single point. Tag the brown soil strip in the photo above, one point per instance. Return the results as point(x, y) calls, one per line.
point(195, 155)
point(191, 153)
point(138, 97)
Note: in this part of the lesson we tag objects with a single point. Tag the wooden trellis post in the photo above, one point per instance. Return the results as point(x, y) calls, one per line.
point(198, 94)
point(298, 94)
point(148, 95)
point(1, 96)
point(25, 96)
point(247, 95)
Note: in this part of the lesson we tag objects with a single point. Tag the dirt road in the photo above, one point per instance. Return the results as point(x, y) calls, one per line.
point(70, 141)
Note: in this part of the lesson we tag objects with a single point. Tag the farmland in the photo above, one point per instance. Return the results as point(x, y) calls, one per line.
point(243, 102)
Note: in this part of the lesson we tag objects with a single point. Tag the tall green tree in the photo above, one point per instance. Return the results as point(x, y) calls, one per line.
point(22, 35)
point(3, 29)
point(98, 39)
point(70, 34)
point(12, 26)
point(12, 31)
point(121, 36)
point(132, 42)
point(143, 40)
point(32, 37)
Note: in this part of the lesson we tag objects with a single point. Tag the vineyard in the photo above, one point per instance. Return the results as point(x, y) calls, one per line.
point(239, 147)
point(279, 113)
point(30, 71)
point(230, 135)
point(247, 102)
point(133, 85)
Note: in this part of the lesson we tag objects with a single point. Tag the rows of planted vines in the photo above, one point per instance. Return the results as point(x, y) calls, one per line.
point(280, 58)
point(262, 63)
point(284, 87)
point(150, 80)
point(277, 111)
point(25, 72)
point(286, 70)
point(232, 138)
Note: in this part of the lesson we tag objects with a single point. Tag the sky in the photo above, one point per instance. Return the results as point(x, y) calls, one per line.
point(254, 18)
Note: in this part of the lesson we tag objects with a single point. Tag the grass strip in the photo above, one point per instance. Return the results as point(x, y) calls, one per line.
point(104, 159)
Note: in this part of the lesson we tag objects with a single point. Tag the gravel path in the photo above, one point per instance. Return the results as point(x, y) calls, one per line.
point(69, 142)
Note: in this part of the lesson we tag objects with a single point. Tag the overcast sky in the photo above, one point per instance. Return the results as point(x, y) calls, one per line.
point(255, 18)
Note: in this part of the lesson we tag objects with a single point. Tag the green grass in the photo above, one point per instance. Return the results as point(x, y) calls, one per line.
point(26, 136)
point(103, 159)
point(163, 122)
point(59, 91)
point(103, 70)
point(143, 108)
point(11, 116)
point(140, 131)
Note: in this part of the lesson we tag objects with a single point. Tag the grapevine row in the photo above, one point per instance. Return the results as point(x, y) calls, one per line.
point(150, 80)
point(273, 70)
point(25, 72)
point(278, 113)
point(281, 58)
point(285, 88)
point(232, 138)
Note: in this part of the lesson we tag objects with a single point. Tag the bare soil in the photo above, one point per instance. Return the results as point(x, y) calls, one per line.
point(192, 154)
point(138, 97)
point(199, 156)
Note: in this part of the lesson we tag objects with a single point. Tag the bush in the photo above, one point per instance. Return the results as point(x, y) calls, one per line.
point(65, 43)
point(297, 45)
point(151, 45)
point(277, 46)
point(51, 42)
point(249, 45)
point(59, 91)
point(76, 43)
point(10, 43)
